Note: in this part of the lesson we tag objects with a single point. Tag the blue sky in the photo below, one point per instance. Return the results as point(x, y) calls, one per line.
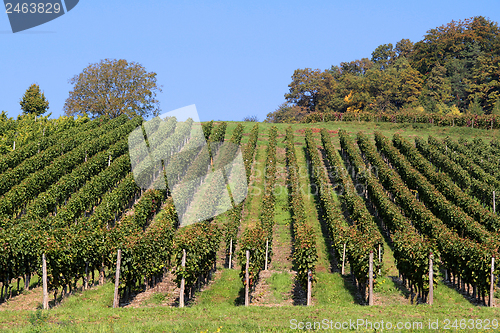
point(230, 58)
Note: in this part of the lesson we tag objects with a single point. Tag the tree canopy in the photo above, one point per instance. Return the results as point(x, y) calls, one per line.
point(111, 88)
point(455, 68)
point(34, 101)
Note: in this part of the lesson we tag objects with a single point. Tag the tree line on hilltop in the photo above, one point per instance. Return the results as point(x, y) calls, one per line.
point(454, 69)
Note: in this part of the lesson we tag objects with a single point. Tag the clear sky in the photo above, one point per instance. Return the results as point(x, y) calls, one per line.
point(230, 58)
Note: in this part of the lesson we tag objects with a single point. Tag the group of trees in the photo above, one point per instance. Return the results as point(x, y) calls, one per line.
point(110, 88)
point(454, 69)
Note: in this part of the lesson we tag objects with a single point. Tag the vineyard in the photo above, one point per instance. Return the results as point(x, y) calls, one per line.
point(337, 218)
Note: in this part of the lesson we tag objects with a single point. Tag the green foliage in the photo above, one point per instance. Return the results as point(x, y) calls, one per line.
point(207, 129)
point(450, 222)
point(496, 108)
point(305, 253)
point(462, 256)
point(437, 89)
point(475, 107)
point(253, 119)
point(255, 238)
point(147, 254)
point(98, 151)
point(436, 202)
point(363, 236)
point(411, 250)
point(460, 196)
point(34, 101)
point(453, 64)
point(383, 56)
point(286, 113)
point(113, 87)
point(31, 133)
point(201, 242)
point(232, 224)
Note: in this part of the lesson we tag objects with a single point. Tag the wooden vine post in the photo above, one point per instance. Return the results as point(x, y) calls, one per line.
point(267, 254)
point(343, 260)
point(492, 281)
point(431, 279)
point(309, 287)
point(230, 252)
point(370, 279)
point(494, 206)
point(101, 272)
point(183, 280)
point(44, 281)
point(379, 258)
point(247, 279)
point(117, 278)
point(86, 276)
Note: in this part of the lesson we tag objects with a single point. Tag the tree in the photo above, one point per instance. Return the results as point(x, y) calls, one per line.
point(378, 90)
point(251, 118)
point(356, 67)
point(34, 101)
point(484, 83)
point(403, 48)
point(286, 113)
point(112, 88)
point(449, 41)
point(475, 107)
point(496, 108)
point(410, 82)
point(383, 55)
point(437, 88)
point(304, 88)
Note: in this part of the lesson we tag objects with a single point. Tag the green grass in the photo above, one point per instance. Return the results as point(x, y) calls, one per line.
point(408, 130)
point(224, 291)
point(281, 232)
point(281, 284)
point(333, 289)
point(282, 214)
point(92, 315)
point(156, 299)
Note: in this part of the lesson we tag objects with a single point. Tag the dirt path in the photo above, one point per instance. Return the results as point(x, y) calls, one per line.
point(163, 293)
point(28, 300)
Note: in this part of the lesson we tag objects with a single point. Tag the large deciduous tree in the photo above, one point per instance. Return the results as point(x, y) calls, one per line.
point(111, 88)
point(383, 55)
point(34, 101)
point(304, 88)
